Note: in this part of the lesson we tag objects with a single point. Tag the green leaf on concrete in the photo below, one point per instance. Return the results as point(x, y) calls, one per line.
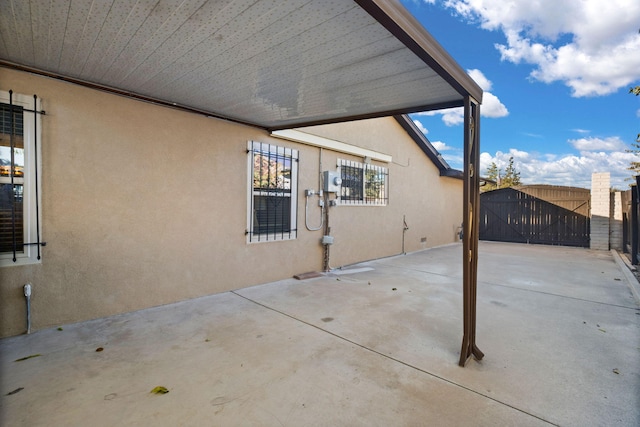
point(60, 328)
point(160, 390)
point(27, 357)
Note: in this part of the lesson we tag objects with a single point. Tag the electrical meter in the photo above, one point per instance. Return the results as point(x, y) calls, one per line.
point(332, 182)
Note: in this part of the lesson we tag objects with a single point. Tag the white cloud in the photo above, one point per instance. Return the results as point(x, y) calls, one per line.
point(441, 146)
point(453, 116)
point(485, 161)
point(590, 45)
point(480, 78)
point(569, 170)
point(612, 143)
point(532, 135)
point(491, 105)
point(421, 126)
point(583, 131)
point(450, 117)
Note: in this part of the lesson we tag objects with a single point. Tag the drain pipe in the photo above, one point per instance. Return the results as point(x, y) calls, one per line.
point(27, 295)
point(404, 231)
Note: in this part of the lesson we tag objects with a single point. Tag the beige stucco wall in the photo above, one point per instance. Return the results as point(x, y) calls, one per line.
point(432, 205)
point(145, 205)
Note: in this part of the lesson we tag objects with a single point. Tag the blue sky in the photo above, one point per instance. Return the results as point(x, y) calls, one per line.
point(556, 77)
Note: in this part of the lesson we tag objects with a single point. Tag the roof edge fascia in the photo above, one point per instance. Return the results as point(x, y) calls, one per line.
point(426, 146)
point(453, 173)
point(399, 22)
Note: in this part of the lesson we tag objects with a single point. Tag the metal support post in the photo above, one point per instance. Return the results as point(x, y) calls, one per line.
point(471, 218)
point(634, 223)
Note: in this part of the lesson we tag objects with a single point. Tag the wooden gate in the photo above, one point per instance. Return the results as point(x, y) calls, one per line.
point(539, 214)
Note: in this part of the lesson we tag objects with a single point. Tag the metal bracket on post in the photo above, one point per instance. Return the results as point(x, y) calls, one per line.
point(470, 228)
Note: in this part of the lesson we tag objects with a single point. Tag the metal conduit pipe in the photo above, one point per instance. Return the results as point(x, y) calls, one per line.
point(309, 193)
point(27, 295)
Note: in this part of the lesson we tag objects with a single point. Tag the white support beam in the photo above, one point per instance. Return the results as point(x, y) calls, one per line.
point(331, 144)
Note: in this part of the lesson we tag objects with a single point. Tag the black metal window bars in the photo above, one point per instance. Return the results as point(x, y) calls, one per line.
point(12, 194)
point(274, 183)
point(363, 184)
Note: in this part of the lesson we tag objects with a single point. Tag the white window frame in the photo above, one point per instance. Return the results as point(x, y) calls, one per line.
point(32, 132)
point(364, 201)
point(293, 194)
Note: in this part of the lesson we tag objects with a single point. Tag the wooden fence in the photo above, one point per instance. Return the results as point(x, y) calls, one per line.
point(539, 214)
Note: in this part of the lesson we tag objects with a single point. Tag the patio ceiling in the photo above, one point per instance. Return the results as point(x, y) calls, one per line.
point(269, 63)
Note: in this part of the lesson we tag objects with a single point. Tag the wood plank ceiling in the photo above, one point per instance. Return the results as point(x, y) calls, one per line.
point(270, 63)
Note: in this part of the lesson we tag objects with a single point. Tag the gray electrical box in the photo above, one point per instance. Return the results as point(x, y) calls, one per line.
point(332, 181)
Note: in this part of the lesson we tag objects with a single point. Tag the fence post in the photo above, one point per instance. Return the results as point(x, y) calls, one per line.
point(634, 223)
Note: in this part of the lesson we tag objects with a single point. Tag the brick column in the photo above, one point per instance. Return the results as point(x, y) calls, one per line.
point(615, 221)
point(600, 210)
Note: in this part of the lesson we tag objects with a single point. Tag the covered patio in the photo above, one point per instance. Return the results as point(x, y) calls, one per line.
point(367, 345)
point(269, 64)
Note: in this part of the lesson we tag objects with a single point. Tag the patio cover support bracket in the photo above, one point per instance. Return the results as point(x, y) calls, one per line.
point(471, 201)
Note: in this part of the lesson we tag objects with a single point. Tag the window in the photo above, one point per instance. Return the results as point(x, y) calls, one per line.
point(273, 182)
point(19, 222)
point(363, 184)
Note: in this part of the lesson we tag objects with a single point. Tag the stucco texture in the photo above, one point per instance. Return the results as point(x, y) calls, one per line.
point(144, 205)
point(430, 204)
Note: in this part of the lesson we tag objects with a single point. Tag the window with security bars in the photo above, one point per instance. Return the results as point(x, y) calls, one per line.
point(11, 178)
point(363, 184)
point(272, 201)
point(19, 225)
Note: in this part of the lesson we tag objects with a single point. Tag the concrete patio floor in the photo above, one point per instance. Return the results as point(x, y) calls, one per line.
point(375, 344)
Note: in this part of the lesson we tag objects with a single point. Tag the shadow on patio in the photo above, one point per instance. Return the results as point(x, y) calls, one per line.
point(375, 344)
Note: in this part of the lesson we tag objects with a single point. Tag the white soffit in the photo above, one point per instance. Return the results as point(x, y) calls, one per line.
point(332, 144)
point(270, 63)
